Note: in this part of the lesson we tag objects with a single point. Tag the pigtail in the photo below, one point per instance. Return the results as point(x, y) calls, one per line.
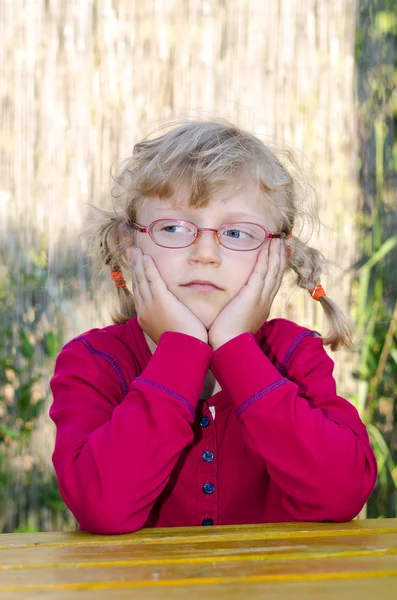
point(112, 254)
point(308, 263)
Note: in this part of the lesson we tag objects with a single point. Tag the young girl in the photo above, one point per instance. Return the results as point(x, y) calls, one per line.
point(194, 408)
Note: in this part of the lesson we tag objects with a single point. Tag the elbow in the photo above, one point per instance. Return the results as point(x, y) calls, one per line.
point(338, 500)
point(103, 525)
point(347, 497)
point(334, 508)
point(347, 490)
point(99, 508)
point(344, 510)
point(354, 491)
point(95, 515)
point(102, 520)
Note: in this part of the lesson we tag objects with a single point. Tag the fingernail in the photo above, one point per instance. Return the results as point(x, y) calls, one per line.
point(145, 258)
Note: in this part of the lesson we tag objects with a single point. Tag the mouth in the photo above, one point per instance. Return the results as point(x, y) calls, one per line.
point(202, 286)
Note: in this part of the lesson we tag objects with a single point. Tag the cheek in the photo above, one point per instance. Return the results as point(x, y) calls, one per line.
point(169, 265)
point(159, 255)
point(242, 269)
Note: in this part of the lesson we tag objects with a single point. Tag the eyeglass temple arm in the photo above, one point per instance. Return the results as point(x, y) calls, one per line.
point(141, 228)
point(279, 235)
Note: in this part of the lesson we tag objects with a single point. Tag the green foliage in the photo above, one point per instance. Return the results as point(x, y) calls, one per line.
point(375, 288)
point(26, 347)
point(26, 529)
point(50, 496)
point(30, 339)
point(377, 373)
point(386, 22)
point(52, 344)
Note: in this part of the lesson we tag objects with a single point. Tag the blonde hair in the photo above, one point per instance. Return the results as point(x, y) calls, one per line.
point(206, 155)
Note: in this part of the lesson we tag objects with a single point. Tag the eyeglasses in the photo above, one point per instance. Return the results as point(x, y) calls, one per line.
point(174, 233)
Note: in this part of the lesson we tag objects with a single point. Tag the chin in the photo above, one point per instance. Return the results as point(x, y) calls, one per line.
point(203, 307)
point(207, 315)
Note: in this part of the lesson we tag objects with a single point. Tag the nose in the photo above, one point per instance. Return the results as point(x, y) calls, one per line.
point(206, 248)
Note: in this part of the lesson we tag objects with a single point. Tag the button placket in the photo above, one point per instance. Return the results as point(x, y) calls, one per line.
point(207, 484)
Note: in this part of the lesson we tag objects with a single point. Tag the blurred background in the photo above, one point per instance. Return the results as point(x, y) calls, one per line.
point(81, 82)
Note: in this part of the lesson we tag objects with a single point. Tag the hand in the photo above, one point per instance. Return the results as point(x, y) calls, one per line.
point(251, 307)
point(158, 309)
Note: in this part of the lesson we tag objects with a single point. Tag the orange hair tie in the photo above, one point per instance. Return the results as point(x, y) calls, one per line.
point(317, 292)
point(118, 278)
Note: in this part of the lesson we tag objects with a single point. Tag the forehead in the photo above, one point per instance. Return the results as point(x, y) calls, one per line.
point(238, 200)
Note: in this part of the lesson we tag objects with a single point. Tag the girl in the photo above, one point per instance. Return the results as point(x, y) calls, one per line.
point(194, 409)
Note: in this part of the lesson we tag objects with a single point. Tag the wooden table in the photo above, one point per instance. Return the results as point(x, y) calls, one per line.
point(356, 560)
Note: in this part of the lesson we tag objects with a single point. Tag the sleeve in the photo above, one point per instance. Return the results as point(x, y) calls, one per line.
point(315, 446)
point(113, 456)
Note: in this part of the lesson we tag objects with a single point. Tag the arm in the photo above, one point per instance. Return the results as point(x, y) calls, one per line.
point(113, 455)
point(315, 446)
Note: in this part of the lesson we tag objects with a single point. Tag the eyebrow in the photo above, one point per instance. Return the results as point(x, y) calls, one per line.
point(232, 216)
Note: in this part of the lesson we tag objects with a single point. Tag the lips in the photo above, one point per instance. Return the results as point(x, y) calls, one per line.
point(201, 282)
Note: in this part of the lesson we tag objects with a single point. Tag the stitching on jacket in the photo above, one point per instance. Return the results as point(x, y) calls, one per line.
point(168, 391)
point(283, 365)
point(258, 395)
point(112, 361)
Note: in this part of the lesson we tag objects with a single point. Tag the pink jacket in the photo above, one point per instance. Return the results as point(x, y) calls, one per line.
point(135, 447)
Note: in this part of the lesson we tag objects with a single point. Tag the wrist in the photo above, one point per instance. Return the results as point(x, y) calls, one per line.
point(201, 338)
point(218, 342)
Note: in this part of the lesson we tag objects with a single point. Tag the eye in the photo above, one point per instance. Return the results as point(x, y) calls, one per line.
point(237, 233)
point(173, 227)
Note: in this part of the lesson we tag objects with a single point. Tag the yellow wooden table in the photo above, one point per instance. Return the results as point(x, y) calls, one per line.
point(356, 560)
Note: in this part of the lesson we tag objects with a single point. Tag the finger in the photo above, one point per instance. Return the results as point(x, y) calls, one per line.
point(273, 267)
point(140, 273)
point(136, 272)
point(258, 275)
point(155, 281)
point(135, 290)
point(281, 270)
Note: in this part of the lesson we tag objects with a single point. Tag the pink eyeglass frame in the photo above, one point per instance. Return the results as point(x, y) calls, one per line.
point(147, 229)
